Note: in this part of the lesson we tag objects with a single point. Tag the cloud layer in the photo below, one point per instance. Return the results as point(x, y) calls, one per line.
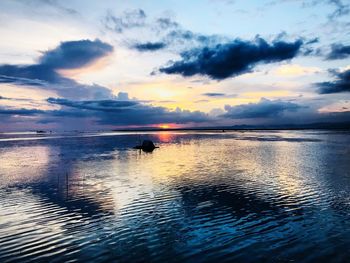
point(340, 84)
point(129, 19)
point(68, 55)
point(108, 112)
point(231, 59)
point(149, 46)
point(265, 108)
point(75, 54)
point(112, 112)
point(338, 51)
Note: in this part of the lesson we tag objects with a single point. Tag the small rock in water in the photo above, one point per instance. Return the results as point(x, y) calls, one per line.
point(147, 146)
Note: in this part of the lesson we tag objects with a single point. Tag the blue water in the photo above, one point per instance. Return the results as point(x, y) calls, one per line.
point(258, 196)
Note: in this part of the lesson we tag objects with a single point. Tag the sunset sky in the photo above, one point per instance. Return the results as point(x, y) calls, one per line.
point(89, 65)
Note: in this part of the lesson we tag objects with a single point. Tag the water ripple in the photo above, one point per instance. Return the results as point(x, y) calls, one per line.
point(200, 197)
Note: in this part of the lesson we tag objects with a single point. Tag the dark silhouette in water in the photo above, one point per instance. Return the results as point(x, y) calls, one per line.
point(146, 146)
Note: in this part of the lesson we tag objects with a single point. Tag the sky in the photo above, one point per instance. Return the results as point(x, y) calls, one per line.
point(93, 65)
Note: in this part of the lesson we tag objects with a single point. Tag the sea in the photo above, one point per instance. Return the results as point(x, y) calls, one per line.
point(202, 196)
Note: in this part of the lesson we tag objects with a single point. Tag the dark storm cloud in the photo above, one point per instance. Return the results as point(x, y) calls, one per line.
point(338, 51)
point(340, 84)
point(68, 55)
point(231, 59)
point(74, 54)
point(149, 46)
point(263, 109)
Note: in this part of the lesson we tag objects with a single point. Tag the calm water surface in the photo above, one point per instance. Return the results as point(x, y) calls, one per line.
point(202, 196)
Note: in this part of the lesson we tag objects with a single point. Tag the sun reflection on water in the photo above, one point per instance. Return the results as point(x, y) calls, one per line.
point(24, 163)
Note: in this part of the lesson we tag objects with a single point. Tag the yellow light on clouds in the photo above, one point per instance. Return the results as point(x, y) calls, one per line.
point(295, 70)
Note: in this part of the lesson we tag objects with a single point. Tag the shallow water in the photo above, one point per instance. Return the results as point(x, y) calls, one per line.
point(202, 196)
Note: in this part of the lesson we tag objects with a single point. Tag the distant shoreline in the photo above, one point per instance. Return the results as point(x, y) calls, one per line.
point(223, 130)
point(312, 126)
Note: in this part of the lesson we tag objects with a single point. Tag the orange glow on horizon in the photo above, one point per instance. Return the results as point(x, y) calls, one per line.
point(164, 126)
